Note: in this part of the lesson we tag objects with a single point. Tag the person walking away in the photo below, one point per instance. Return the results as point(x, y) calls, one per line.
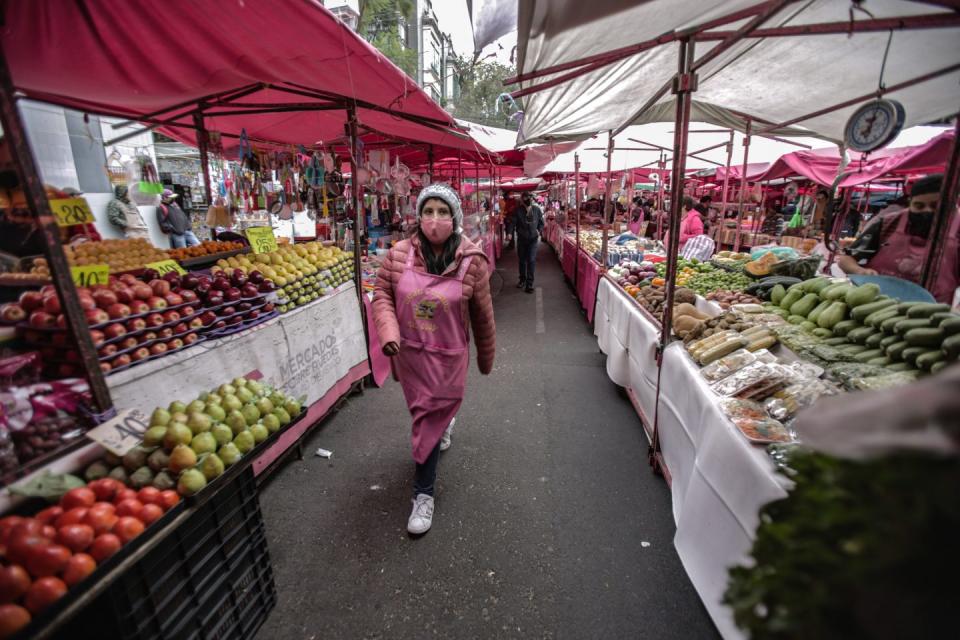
point(429, 290)
point(529, 226)
point(896, 244)
point(124, 214)
point(174, 222)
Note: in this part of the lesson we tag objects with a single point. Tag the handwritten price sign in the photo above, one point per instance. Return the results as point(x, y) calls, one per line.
point(90, 274)
point(262, 239)
point(166, 266)
point(71, 211)
point(122, 433)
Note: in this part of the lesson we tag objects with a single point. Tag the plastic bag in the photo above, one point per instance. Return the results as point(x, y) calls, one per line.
point(727, 365)
point(785, 403)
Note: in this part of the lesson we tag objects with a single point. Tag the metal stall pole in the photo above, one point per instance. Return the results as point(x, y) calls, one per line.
point(430, 162)
point(203, 144)
point(726, 184)
point(576, 254)
point(607, 205)
point(355, 196)
point(743, 185)
point(949, 194)
point(32, 184)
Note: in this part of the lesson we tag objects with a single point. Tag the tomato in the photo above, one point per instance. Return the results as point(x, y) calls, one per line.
point(80, 566)
point(105, 488)
point(20, 549)
point(129, 508)
point(14, 582)
point(47, 560)
point(28, 526)
point(49, 515)
point(6, 525)
point(124, 494)
point(150, 514)
point(169, 499)
point(71, 516)
point(149, 495)
point(49, 531)
point(101, 517)
point(79, 497)
point(127, 528)
point(105, 506)
point(104, 546)
point(43, 593)
point(76, 537)
point(12, 618)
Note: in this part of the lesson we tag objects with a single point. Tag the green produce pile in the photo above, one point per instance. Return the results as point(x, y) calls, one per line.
point(705, 278)
point(847, 323)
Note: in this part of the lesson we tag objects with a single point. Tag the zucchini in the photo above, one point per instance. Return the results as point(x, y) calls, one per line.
point(911, 323)
point(899, 366)
point(837, 292)
point(880, 361)
point(816, 285)
point(939, 317)
point(820, 332)
point(864, 294)
point(904, 307)
point(896, 349)
point(835, 342)
point(808, 326)
point(852, 349)
point(951, 325)
point(939, 366)
point(844, 327)
point(860, 335)
point(951, 346)
point(874, 341)
point(925, 310)
point(777, 294)
point(868, 355)
point(793, 295)
point(889, 340)
point(796, 319)
point(804, 305)
point(860, 313)
point(929, 338)
point(875, 318)
point(910, 354)
point(833, 314)
point(889, 325)
point(820, 308)
point(930, 358)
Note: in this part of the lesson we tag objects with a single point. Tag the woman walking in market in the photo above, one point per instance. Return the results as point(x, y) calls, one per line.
point(429, 291)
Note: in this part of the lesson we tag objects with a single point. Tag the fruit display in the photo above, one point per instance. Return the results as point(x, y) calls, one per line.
point(730, 260)
point(703, 277)
point(36, 270)
point(38, 418)
point(228, 301)
point(120, 255)
point(631, 272)
point(726, 299)
point(190, 444)
point(205, 248)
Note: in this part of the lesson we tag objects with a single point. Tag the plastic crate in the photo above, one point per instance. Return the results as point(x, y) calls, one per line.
point(209, 579)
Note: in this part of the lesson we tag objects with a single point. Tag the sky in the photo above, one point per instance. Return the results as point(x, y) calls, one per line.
point(453, 18)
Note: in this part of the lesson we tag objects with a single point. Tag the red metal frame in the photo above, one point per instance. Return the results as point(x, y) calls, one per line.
point(743, 186)
point(949, 194)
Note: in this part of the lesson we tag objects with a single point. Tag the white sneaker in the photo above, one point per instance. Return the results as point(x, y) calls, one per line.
point(422, 515)
point(445, 438)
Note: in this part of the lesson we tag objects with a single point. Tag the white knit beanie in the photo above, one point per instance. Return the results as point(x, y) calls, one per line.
point(446, 193)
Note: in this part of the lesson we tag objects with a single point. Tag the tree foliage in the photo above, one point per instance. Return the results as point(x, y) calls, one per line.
point(481, 83)
point(380, 25)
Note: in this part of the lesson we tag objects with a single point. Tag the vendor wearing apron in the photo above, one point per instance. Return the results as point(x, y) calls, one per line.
point(896, 244)
point(430, 288)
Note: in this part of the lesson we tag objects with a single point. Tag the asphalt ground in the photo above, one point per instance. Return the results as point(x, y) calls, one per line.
point(548, 522)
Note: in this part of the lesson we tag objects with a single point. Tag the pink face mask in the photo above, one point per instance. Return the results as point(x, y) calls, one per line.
point(437, 230)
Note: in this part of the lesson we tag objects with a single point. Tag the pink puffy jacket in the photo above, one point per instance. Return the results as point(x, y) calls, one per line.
point(476, 293)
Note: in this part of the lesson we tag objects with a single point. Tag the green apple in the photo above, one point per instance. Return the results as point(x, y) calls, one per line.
point(231, 403)
point(160, 418)
point(244, 441)
point(216, 412)
point(204, 443)
point(222, 433)
point(271, 421)
point(260, 432)
point(229, 453)
point(177, 407)
point(177, 434)
point(199, 422)
point(236, 422)
point(211, 467)
point(250, 413)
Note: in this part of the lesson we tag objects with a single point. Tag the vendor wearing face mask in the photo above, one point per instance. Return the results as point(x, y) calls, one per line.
point(896, 244)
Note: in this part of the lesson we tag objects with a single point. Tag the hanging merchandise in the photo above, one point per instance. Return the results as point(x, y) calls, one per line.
point(247, 158)
point(146, 176)
point(218, 215)
point(328, 163)
point(375, 212)
point(400, 175)
point(116, 172)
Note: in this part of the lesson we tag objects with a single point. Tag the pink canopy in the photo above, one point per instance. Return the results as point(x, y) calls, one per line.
point(284, 71)
point(753, 169)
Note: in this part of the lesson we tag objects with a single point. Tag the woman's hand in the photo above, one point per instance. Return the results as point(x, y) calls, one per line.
point(391, 349)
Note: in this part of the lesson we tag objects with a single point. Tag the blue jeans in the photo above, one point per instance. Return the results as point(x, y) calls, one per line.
point(426, 474)
point(186, 239)
point(527, 256)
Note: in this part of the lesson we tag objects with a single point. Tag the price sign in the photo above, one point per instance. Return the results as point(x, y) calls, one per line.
point(122, 433)
point(71, 211)
point(90, 274)
point(166, 266)
point(262, 239)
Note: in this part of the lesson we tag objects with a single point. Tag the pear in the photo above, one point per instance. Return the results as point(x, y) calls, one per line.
point(264, 406)
point(211, 467)
point(255, 387)
point(227, 389)
point(179, 416)
point(244, 441)
point(191, 481)
point(229, 453)
point(182, 457)
point(158, 460)
point(236, 422)
point(231, 403)
point(203, 396)
point(271, 422)
point(250, 413)
point(282, 415)
point(154, 436)
point(197, 406)
point(163, 481)
point(177, 407)
point(240, 382)
point(292, 407)
point(135, 458)
point(160, 417)
point(214, 398)
point(141, 478)
point(199, 422)
point(245, 395)
point(260, 432)
point(216, 412)
point(221, 433)
point(204, 443)
point(278, 399)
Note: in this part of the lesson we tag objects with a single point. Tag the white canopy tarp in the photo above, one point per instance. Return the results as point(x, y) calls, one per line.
point(493, 138)
point(775, 79)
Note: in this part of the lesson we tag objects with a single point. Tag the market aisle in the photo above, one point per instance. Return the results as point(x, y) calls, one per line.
point(544, 504)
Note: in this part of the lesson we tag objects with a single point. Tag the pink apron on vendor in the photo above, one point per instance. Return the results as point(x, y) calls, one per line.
point(902, 256)
point(434, 353)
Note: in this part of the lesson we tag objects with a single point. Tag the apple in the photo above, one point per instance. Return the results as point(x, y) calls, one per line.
point(176, 343)
point(208, 318)
point(107, 350)
point(72, 356)
point(249, 291)
point(203, 288)
point(244, 306)
point(267, 308)
point(31, 300)
point(169, 316)
point(228, 311)
point(154, 320)
point(114, 330)
point(105, 298)
point(140, 354)
point(165, 333)
point(188, 295)
point(156, 302)
point(105, 367)
point(255, 277)
point(220, 324)
point(96, 316)
point(186, 312)
point(160, 287)
point(158, 348)
point(86, 301)
point(51, 304)
point(142, 291)
point(149, 274)
point(136, 324)
point(62, 321)
point(173, 278)
point(173, 299)
point(196, 323)
point(128, 343)
point(128, 279)
point(123, 292)
point(117, 311)
point(190, 338)
point(97, 336)
point(214, 300)
point(238, 278)
point(121, 360)
point(253, 315)
point(147, 336)
point(266, 286)
point(138, 307)
point(12, 313)
point(220, 283)
point(47, 289)
point(189, 281)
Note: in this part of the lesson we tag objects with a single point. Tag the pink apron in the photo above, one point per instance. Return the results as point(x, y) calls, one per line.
point(434, 353)
point(635, 227)
point(902, 256)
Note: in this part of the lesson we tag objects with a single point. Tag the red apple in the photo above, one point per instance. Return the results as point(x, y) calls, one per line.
point(238, 278)
point(203, 288)
point(173, 299)
point(244, 306)
point(86, 302)
point(190, 338)
point(165, 333)
point(51, 304)
point(62, 321)
point(228, 311)
point(140, 354)
point(117, 311)
point(149, 274)
point(208, 318)
point(121, 361)
point(237, 319)
point(12, 313)
point(220, 283)
point(196, 323)
point(157, 302)
point(188, 295)
point(176, 343)
point(253, 315)
point(232, 294)
point(138, 307)
point(267, 308)
point(186, 312)
point(255, 277)
point(220, 324)
point(158, 348)
point(214, 299)
point(105, 367)
point(114, 330)
point(123, 292)
point(142, 291)
point(97, 336)
point(249, 291)
point(31, 300)
point(107, 350)
point(128, 279)
point(266, 286)
point(47, 290)
point(189, 281)
point(72, 356)
point(97, 316)
point(170, 316)
point(173, 278)
point(128, 343)
point(181, 328)
point(160, 287)
point(105, 298)
point(154, 320)
point(136, 324)
point(147, 336)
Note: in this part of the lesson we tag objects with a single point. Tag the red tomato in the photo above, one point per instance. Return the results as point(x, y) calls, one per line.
point(149, 495)
point(101, 517)
point(105, 506)
point(14, 582)
point(21, 548)
point(104, 546)
point(169, 498)
point(28, 526)
point(43, 593)
point(6, 525)
point(47, 560)
point(127, 528)
point(80, 566)
point(79, 497)
point(76, 537)
point(129, 508)
point(12, 618)
point(124, 494)
point(105, 488)
point(72, 516)
point(150, 513)
point(49, 515)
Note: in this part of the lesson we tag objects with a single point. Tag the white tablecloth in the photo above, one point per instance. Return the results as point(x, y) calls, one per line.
point(719, 479)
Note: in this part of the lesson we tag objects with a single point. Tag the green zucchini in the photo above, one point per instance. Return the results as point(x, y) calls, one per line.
point(874, 341)
point(804, 305)
point(845, 326)
point(889, 340)
point(836, 341)
point(832, 315)
point(904, 307)
point(910, 354)
point(820, 308)
point(896, 349)
point(808, 326)
point(925, 337)
point(939, 366)
point(816, 285)
point(864, 294)
point(925, 310)
point(911, 323)
point(796, 319)
point(860, 313)
point(793, 295)
point(777, 294)
point(868, 355)
point(822, 333)
point(880, 361)
point(951, 325)
point(852, 349)
point(897, 367)
point(951, 346)
point(889, 325)
point(939, 317)
point(875, 318)
point(930, 358)
point(837, 292)
point(860, 335)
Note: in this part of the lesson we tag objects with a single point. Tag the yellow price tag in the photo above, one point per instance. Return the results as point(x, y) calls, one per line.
point(262, 239)
point(90, 274)
point(166, 266)
point(71, 211)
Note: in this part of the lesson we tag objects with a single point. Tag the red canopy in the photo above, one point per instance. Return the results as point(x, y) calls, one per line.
point(162, 63)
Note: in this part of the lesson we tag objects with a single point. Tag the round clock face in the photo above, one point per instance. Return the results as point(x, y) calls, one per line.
point(874, 125)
